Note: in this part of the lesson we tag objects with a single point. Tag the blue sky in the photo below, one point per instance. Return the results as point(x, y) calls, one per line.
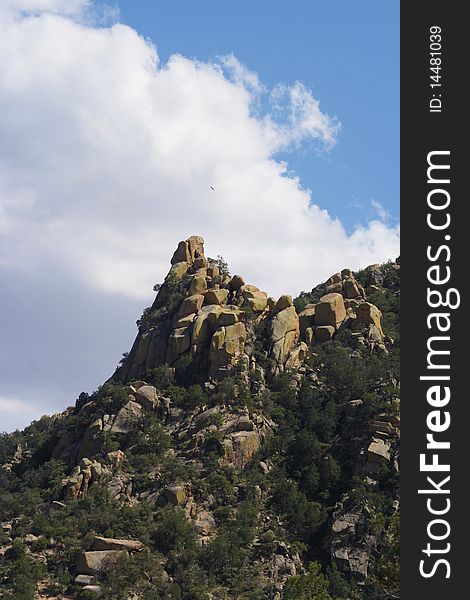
point(346, 52)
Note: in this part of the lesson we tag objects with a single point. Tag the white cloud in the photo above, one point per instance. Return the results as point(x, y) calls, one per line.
point(382, 213)
point(303, 118)
point(107, 158)
point(63, 7)
point(241, 74)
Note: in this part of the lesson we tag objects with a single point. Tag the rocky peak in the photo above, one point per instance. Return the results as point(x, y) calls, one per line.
point(203, 316)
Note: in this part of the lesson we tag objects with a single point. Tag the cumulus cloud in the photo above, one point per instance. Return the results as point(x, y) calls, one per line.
point(301, 117)
point(107, 158)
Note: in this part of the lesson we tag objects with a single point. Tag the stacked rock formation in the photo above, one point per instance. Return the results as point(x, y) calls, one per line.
point(343, 305)
point(203, 316)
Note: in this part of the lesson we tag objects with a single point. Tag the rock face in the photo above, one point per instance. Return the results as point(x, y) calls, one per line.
point(351, 545)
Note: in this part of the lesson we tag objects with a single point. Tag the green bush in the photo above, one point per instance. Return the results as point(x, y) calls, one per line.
point(311, 586)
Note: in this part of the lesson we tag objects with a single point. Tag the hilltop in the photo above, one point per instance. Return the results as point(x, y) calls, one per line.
point(246, 447)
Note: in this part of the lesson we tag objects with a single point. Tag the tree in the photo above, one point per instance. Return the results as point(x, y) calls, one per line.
point(311, 586)
point(174, 533)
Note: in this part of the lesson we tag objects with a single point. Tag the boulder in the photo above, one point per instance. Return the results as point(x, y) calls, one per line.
point(350, 547)
point(352, 560)
point(336, 278)
point(30, 538)
point(323, 333)
point(283, 322)
point(181, 254)
point(255, 300)
point(374, 275)
point(77, 483)
point(99, 561)
point(284, 302)
point(116, 456)
point(201, 331)
point(190, 305)
point(84, 579)
point(351, 407)
point(104, 543)
point(195, 247)
point(228, 317)
point(330, 310)
point(119, 487)
point(351, 288)
point(246, 291)
point(209, 319)
point(212, 270)
point(214, 296)
point(146, 396)
point(309, 336)
point(283, 331)
point(91, 442)
point(127, 418)
point(176, 495)
point(198, 284)
point(334, 288)
point(200, 262)
point(96, 470)
point(368, 314)
point(236, 283)
point(378, 451)
point(375, 334)
point(307, 318)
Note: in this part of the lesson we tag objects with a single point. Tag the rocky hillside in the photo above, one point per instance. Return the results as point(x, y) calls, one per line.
point(245, 448)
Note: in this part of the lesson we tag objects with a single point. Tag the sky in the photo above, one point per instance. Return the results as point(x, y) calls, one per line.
point(116, 121)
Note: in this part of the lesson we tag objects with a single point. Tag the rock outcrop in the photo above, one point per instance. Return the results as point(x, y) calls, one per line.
point(205, 317)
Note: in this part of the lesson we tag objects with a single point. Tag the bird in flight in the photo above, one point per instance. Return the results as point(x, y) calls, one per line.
point(212, 188)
